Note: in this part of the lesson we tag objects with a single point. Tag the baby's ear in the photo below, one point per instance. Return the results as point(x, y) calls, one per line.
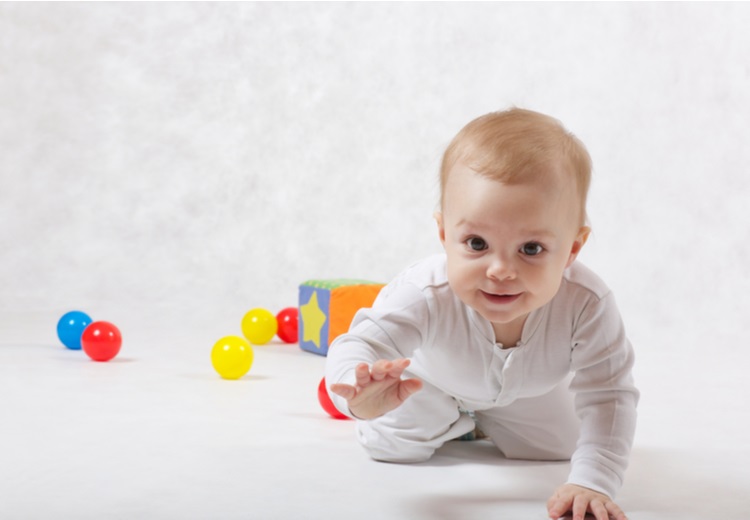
point(441, 227)
point(578, 243)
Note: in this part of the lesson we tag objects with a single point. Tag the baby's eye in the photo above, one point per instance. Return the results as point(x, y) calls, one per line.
point(532, 249)
point(476, 244)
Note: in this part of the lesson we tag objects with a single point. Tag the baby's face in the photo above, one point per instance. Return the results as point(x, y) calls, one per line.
point(508, 245)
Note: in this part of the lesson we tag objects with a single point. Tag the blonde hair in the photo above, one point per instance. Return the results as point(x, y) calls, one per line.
point(518, 145)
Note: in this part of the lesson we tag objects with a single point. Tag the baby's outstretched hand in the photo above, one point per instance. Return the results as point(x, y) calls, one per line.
point(378, 389)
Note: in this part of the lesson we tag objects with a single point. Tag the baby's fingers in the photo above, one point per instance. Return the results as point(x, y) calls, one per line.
point(398, 367)
point(615, 511)
point(381, 369)
point(408, 387)
point(580, 505)
point(348, 392)
point(389, 369)
point(362, 375)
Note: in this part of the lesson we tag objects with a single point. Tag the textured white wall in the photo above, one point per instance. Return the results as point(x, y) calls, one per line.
point(210, 157)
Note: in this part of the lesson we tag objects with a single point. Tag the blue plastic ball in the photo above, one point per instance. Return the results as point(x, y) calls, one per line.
point(70, 328)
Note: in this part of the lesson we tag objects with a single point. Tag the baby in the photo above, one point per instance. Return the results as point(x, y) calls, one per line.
point(505, 333)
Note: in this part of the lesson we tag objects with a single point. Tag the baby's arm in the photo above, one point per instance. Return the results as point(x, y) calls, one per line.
point(378, 389)
point(365, 367)
point(606, 400)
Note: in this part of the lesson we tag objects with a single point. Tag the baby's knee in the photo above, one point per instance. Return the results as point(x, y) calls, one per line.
point(389, 442)
point(536, 447)
point(400, 458)
point(527, 442)
point(395, 450)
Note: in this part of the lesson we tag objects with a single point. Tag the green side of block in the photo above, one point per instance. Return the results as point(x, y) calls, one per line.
point(336, 283)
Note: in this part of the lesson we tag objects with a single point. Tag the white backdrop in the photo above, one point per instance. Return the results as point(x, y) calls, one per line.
point(207, 158)
point(169, 166)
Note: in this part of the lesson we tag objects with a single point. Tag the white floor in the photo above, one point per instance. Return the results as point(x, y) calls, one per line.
point(157, 434)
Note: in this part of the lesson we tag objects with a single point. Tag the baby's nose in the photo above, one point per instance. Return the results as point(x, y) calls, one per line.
point(501, 269)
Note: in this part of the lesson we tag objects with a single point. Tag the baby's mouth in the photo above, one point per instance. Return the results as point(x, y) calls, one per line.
point(501, 298)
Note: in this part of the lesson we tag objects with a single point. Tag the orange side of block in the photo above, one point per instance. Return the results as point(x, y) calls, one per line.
point(345, 302)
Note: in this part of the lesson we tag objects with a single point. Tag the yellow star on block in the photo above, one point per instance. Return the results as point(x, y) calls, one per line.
point(313, 320)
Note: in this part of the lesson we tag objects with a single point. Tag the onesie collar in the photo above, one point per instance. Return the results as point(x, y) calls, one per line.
point(530, 326)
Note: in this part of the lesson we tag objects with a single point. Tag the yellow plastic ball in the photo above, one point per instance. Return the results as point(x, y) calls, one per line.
point(232, 357)
point(259, 326)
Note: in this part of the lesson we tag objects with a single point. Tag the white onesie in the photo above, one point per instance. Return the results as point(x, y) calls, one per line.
point(564, 392)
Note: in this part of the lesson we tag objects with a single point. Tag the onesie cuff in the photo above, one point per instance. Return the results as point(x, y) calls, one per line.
point(595, 475)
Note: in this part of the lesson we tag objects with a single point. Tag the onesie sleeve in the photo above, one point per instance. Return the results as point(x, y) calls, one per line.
point(395, 326)
point(605, 397)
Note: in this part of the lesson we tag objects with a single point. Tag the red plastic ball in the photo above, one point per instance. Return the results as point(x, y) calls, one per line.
point(326, 403)
point(288, 320)
point(101, 341)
